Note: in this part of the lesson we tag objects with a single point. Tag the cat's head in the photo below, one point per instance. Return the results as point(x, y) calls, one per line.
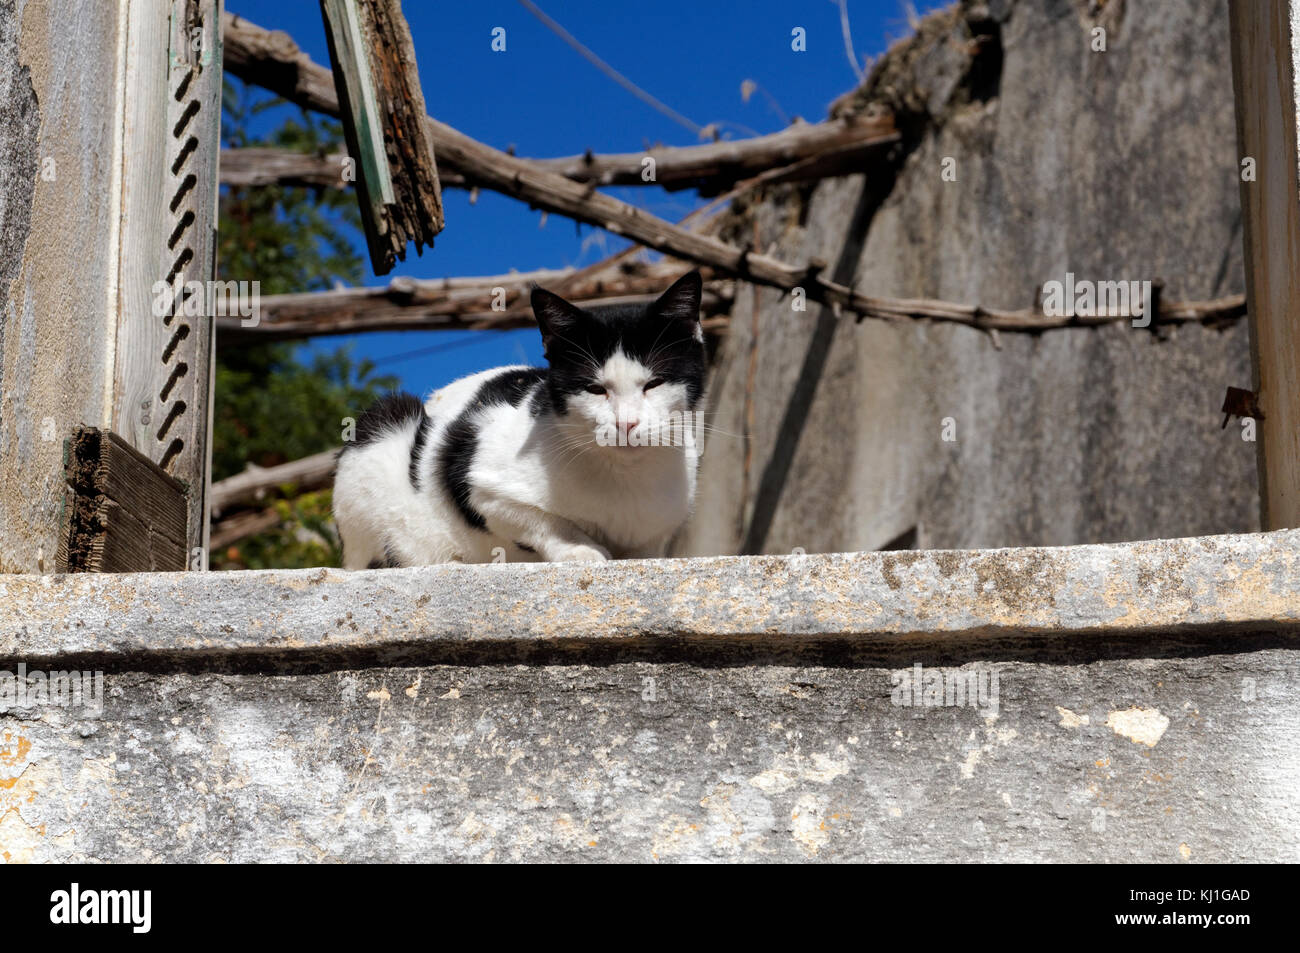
point(630, 371)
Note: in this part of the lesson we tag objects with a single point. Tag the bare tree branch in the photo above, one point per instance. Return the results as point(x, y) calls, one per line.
point(524, 180)
point(252, 486)
point(259, 167)
point(277, 62)
point(281, 66)
point(496, 302)
point(500, 303)
point(710, 168)
point(273, 60)
point(253, 166)
point(241, 526)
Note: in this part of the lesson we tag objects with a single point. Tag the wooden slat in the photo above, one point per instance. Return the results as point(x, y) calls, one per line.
point(163, 374)
point(382, 107)
point(123, 512)
point(1265, 85)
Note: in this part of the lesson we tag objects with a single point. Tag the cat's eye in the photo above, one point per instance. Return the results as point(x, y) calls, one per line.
point(654, 382)
point(594, 389)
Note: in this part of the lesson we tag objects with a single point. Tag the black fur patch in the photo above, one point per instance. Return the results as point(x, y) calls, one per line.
point(390, 413)
point(390, 561)
point(456, 455)
point(417, 448)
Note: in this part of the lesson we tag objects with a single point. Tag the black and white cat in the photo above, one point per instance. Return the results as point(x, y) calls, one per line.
point(593, 457)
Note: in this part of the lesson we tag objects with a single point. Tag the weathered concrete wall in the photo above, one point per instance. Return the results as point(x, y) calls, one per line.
point(58, 103)
point(716, 709)
point(1112, 165)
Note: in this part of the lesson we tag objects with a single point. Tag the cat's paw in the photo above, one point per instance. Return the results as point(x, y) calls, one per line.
point(580, 552)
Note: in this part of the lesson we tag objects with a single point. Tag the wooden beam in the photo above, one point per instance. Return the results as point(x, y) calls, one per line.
point(254, 166)
point(541, 188)
point(251, 486)
point(488, 303)
point(467, 304)
point(383, 122)
point(123, 512)
point(718, 166)
point(242, 525)
point(1265, 82)
point(257, 166)
point(274, 61)
point(262, 167)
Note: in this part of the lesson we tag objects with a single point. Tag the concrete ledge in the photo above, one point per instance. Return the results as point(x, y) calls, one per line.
point(1181, 586)
point(1147, 714)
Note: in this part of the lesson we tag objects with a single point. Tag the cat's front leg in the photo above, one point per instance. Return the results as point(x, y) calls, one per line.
point(563, 552)
point(553, 538)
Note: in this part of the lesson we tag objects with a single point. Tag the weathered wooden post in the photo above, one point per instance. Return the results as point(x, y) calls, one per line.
point(120, 204)
point(1265, 73)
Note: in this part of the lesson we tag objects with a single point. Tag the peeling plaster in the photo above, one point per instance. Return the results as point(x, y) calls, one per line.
point(1144, 726)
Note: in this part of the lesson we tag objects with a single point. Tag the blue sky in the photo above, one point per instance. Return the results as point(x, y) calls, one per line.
point(542, 98)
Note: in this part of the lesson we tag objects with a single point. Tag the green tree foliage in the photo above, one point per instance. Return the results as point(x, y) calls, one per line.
point(271, 407)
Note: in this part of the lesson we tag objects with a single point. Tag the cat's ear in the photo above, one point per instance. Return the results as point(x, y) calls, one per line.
point(555, 316)
point(681, 302)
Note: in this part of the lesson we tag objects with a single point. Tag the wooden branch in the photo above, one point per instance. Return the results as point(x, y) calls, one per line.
point(524, 180)
point(261, 167)
point(488, 303)
point(541, 188)
point(241, 526)
point(271, 59)
point(251, 486)
point(467, 303)
point(124, 513)
point(1217, 311)
point(720, 165)
point(274, 61)
point(254, 166)
point(382, 107)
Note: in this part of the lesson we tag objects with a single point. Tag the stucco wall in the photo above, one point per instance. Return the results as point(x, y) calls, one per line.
point(1112, 165)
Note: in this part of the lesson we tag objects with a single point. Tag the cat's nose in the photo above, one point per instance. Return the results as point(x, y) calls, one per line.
point(627, 424)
